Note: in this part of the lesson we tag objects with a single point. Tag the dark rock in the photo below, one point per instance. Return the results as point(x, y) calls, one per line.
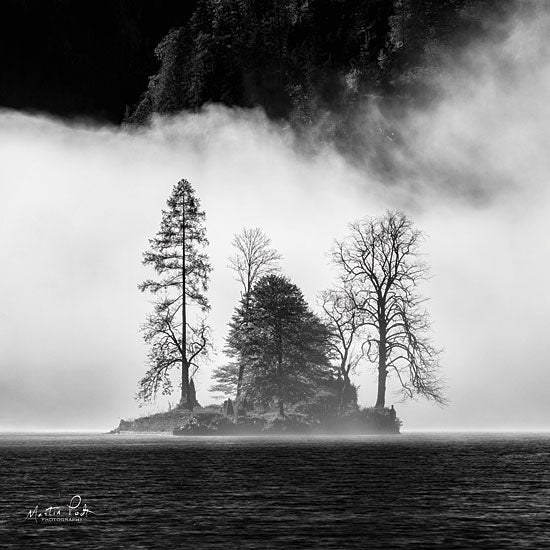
point(227, 408)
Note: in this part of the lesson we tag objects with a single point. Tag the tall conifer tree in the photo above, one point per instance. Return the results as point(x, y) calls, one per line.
point(177, 255)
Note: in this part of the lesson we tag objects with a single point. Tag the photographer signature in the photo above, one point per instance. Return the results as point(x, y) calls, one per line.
point(72, 512)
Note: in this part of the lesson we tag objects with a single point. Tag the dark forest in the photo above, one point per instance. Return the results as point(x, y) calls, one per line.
point(118, 60)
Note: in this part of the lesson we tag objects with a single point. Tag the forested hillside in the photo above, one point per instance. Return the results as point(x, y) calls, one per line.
point(297, 59)
point(81, 58)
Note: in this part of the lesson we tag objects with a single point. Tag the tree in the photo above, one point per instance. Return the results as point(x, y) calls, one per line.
point(345, 323)
point(252, 259)
point(380, 261)
point(182, 267)
point(284, 344)
point(225, 379)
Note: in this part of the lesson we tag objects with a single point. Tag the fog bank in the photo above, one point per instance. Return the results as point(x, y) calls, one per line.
point(78, 203)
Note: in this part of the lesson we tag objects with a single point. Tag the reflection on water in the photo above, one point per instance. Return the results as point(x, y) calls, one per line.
point(409, 491)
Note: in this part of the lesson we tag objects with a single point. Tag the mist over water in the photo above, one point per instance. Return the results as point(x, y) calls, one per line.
point(78, 203)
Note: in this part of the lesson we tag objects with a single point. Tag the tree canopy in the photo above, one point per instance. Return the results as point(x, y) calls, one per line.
point(177, 255)
point(253, 257)
point(293, 58)
point(380, 267)
point(281, 353)
point(285, 345)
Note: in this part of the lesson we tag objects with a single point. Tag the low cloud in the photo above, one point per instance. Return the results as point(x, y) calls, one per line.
point(78, 203)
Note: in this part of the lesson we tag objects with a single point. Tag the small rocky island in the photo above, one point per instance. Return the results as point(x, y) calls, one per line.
point(287, 366)
point(217, 420)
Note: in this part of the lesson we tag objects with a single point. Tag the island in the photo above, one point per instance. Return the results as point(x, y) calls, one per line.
point(287, 366)
point(304, 419)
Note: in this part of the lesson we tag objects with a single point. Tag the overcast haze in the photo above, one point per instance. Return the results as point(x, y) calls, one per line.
point(78, 203)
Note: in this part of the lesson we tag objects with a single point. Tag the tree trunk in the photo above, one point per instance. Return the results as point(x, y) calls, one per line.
point(192, 396)
point(381, 394)
point(185, 388)
point(382, 370)
point(245, 318)
point(346, 383)
point(240, 381)
point(280, 371)
point(185, 401)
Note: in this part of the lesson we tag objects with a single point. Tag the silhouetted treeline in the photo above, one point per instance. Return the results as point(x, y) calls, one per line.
point(298, 59)
point(87, 58)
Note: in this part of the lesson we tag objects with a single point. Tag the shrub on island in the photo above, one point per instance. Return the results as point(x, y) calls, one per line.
point(359, 422)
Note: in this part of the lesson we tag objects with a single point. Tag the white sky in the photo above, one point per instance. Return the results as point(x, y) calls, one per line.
point(77, 205)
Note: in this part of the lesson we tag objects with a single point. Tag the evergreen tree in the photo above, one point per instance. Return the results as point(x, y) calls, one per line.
point(177, 255)
point(320, 63)
point(226, 379)
point(252, 259)
point(284, 344)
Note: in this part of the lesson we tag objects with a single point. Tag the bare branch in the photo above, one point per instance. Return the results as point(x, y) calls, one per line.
point(253, 257)
point(380, 267)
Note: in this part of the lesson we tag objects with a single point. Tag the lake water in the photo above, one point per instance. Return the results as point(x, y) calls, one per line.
point(408, 491)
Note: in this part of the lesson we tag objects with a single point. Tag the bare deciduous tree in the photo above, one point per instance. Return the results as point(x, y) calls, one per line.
point(253, 258)
point(345, 323)
point(380, 261)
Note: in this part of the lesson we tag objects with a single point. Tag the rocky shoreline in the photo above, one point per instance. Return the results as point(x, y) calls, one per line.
point(213, 421)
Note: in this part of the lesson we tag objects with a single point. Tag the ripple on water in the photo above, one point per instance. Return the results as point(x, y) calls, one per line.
point(409, 491)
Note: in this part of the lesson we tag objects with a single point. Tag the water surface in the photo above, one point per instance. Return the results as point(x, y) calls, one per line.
point(408, 491)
